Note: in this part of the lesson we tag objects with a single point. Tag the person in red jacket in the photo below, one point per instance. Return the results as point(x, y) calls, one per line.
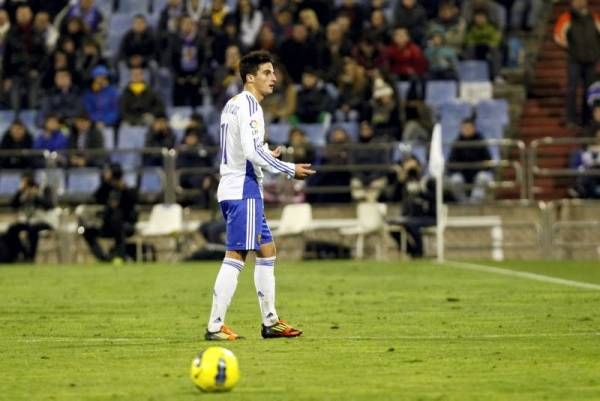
point(403, 58)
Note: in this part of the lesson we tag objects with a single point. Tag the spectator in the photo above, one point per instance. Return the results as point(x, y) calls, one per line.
point(159, 135)
point(417, 195)
point(298, 53)
point(63, 100)
point(412, 16)
point(32, 204)
point(224, 38)
point(102, 98)
point(196, 8)
point(355, 13)
point(43, 26)
point(594, 125)
point(85, 136)
point(227, 79)
point(4, 27)
point(493, 11)
point(187, 56)
point(139, 103)
point(367, 52)
point(442, 60)
point(57, 61)
point(90, 15)
point(24, 51)
point(119, 215)
point(282, 103)
point(217, 13)
point(368, 185)
point(249, 20)
point(335, 156)
point(588, 185)
point(168, 21)
point(378, 27)
point(354, 92)
point(404, 58)
point(332, 53)
point(51, 137)
point(417, 119)
point(138, 46)
point(74, 30)
point(385, 111)
point(283, 24)
point(89, 58)
point(309, 19)
point(482, 42)
point(452, 23)
point(16, 138)
point(476, 176)
point(196, 151)
point(313, 100)
point(577, 31)
point(266, 39)
point(302, 149)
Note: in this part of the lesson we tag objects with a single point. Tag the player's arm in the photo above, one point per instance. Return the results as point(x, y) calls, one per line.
point(256, 152)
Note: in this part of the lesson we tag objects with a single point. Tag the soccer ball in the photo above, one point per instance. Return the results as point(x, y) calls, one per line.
point(215, 369)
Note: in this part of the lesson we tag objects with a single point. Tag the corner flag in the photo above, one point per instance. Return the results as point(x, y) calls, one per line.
point(436, 169)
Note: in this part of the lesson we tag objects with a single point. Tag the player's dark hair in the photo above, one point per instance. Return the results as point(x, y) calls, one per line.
point(250, 62)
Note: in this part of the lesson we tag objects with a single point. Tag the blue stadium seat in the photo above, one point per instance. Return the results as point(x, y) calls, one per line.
point(491, 130)
point(402, 87)
point(6, 118)
point(404, 149)
point(134, 138)
point(278, 133)
point(455, 110)
point(352, 128)
point(151, 181)
point(106, 7)
point(133, 7)
point(164, 86)
point(29, 119)
point(9, 182)
point(52, 177)
point(156, 6)
point(109, 138)
point(118, 25)
point(82, 181)
point(131, 179)
point(438, 92)
point(314, 132)
point(493, 110)
point(209, 113)
point(473, 71)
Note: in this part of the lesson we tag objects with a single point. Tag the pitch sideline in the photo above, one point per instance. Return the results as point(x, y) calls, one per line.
point(520, 274)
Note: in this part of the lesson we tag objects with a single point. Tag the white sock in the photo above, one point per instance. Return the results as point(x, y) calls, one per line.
point(223, 291)
point(264, 280)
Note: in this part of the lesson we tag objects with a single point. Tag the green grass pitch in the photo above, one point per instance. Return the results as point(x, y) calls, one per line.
point(372, 331)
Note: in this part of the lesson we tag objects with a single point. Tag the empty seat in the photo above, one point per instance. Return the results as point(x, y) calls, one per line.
point(278, 133)
point(438, 92)
point(493, 110)
point(455, 110)
point(108, 133)
point(474, 92)
point(473, 71)
point(29, 119)
point(402, 87)
point(82, 181)
point(118, 25)
point(314, 132)
point(131, 138)
point(151, 181)
point(9, 182)
point(133, 7)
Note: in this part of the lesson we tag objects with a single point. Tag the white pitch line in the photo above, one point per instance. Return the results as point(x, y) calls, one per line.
point(521, 274)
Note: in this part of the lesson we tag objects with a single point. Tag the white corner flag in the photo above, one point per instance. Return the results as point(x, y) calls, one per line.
point(436, 169)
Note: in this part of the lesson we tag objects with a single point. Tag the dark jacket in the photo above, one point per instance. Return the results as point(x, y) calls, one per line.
point(93, 140)
point(24, 50)
point(121, 200)
point(66, 105)
point(583, 39)
point(133, 107)
point(468, 155)
point(311, 102)
point(158, 140)
point(134, 44)
point(8, 143)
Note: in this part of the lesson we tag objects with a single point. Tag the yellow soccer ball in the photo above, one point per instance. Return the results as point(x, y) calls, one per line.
point(215, 369)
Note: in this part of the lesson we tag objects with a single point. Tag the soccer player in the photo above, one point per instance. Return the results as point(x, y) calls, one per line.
point(243, 156)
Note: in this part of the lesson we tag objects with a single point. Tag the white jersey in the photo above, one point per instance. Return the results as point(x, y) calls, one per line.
point(243, 151)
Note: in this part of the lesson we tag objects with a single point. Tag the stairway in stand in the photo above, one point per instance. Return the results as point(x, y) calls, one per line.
point(544, 112)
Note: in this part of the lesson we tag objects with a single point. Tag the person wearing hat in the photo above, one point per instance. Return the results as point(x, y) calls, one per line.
point(84, 136)
point(443, 62)
point(101, 100)
point(385, 111)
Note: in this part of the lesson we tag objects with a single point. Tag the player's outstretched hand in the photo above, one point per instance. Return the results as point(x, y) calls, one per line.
point(303, 171)
point(277, 151)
